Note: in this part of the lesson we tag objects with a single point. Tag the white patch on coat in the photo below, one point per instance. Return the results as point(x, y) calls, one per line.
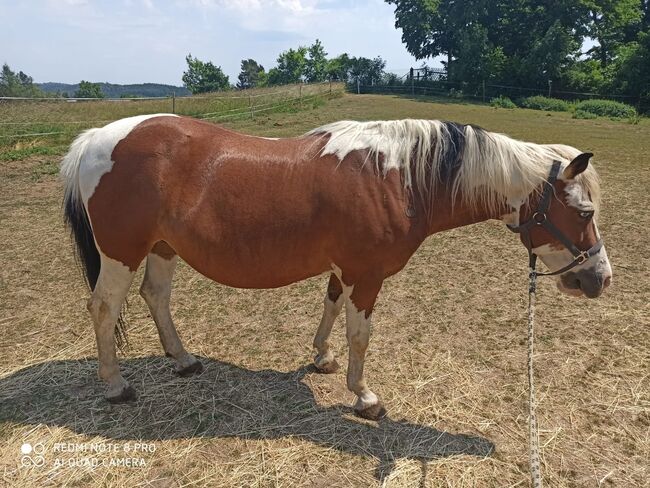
point(104, 306)
point(555, 259)
point(358, 330)
point(156, 290)
point(331, 311)
point(90, 155)
point(512, 218)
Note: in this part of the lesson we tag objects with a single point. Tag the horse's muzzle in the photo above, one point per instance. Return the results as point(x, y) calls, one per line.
point(584, 282)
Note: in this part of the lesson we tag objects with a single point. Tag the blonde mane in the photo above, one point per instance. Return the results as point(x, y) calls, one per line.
point(485, 169)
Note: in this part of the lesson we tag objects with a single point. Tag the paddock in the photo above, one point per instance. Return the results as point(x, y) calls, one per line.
point(447, 353)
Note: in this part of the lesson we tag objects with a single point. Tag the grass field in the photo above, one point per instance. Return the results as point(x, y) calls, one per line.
point(447, 352)
point(57, 120)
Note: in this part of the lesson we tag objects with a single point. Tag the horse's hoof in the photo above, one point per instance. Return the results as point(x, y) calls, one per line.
point(126, 395)
point(373, 412)
point(194, 368)
point(327, 368)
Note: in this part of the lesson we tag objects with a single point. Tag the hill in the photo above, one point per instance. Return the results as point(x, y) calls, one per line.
point(111, 90)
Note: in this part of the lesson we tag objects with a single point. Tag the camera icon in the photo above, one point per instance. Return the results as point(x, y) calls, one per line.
point(32, 455)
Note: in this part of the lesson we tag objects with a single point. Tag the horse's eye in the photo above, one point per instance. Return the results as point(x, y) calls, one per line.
point(586, 214)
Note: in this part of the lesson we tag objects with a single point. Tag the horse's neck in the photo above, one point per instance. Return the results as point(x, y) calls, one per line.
point(445, 214)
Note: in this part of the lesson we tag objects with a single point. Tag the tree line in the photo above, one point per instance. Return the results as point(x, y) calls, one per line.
point(598, 46)
point(19, 84)
point(303, 64)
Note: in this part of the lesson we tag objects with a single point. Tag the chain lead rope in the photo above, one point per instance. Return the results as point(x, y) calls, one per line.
point(533, 436)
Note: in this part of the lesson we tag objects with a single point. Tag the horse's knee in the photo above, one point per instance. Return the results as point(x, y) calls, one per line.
point(98, 308)
point(147, 291)
point(153, 294)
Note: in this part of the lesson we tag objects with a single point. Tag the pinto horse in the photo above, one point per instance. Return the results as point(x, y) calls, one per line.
point(352, 199)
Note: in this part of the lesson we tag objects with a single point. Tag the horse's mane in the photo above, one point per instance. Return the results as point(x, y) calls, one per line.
point(483, 168)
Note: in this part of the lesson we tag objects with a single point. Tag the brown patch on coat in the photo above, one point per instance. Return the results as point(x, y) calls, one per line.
point(164, 250)
point(334, 288)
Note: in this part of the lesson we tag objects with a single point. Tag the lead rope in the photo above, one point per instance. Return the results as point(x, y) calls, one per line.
point(533, 436)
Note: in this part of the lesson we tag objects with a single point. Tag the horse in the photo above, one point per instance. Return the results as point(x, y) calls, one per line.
point(350, 199)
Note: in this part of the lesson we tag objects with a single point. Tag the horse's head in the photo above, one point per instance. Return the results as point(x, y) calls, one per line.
point(571, 210)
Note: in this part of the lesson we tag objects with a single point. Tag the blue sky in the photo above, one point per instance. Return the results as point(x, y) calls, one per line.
point(136, 41)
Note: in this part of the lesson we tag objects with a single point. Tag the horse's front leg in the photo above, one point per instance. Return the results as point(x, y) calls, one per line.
point(358, 310)
point(333, 303)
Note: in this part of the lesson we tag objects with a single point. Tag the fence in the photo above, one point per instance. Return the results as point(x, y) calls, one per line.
point(26, 119)
point(433, 84)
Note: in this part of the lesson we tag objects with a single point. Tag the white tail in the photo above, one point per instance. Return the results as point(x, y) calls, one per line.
point(70, 167)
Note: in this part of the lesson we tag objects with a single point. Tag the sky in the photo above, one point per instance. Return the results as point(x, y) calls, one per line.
point(138, 41)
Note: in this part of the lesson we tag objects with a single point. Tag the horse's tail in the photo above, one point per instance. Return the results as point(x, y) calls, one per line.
point(76, 219)
point(74, 212)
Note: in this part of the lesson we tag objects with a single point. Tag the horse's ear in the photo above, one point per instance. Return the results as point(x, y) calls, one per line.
point(577, 166)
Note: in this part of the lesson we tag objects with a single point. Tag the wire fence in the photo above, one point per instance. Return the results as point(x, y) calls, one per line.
point(484, 92)
point(26, 119)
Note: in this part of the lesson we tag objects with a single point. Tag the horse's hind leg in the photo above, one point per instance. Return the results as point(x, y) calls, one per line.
point(156, 290)
point(104, 306)
point(324, 360)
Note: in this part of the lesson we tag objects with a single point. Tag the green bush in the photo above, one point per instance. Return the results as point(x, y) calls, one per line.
point(502, 102)
point(581, 114)
point(607, 108)
point(539, 102)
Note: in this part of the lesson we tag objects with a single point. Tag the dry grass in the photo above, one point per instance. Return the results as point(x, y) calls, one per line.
point(447, 352)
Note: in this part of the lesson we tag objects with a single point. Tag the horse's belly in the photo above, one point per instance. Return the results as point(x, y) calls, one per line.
point(255, 273)
point(255, 261)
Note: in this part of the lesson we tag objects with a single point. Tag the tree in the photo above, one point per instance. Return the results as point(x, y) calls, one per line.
point(428, 27)
point(478, 59)
point(251, 75)
point(202, 77)
point(316, 64)
point(612, 23)
point(493, 40)
point(89, 90)
point(632, 68)
point(18, 84)
point(550, 54)
point(338, 68)
point(290, 68)
point(366, 71)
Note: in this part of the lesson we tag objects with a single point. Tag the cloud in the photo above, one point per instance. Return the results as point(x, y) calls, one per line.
point(248, 5)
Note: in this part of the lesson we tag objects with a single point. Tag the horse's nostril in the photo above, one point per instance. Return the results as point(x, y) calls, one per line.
point(607, 282)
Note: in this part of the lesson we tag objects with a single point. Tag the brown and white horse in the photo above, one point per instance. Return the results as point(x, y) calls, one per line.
point(353, 199)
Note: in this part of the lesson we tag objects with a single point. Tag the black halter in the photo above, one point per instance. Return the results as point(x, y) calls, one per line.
point(540, 218)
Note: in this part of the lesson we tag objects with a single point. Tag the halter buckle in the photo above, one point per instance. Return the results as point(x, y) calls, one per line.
point(582, 257)
point(539, 217)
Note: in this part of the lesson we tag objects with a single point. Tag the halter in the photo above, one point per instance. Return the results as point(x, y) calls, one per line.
point(540, 218)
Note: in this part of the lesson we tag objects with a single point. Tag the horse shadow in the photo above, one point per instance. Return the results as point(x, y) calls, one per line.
point(224, 401)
